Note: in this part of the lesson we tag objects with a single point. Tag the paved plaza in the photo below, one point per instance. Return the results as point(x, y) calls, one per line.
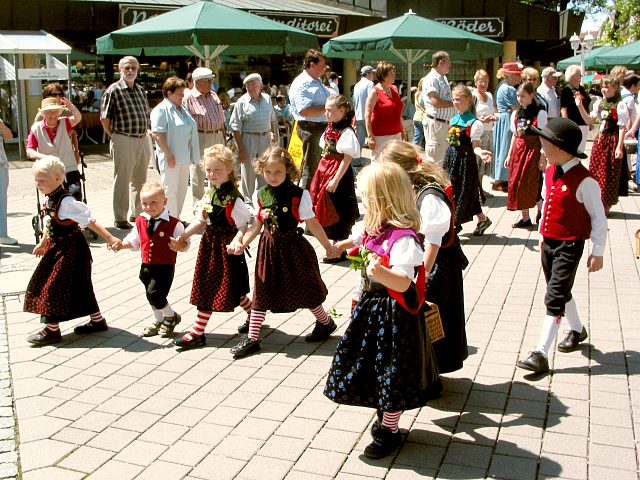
point(114, 405)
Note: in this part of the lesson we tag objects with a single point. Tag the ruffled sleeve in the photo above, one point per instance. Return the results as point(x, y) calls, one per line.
point(240, 213)
point(623, 114)
point(405, 255)
point(435, 219)
point(305, 209)
point(71, 209)
point(348, 143)
point(357, 233)
point(477, 128)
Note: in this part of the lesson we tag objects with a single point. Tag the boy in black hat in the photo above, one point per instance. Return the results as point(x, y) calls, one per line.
point(573, 212)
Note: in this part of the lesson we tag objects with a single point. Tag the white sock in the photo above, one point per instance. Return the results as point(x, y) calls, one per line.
point(572, 316)
point(549, 332)
point(157, 314)
point(167, 311)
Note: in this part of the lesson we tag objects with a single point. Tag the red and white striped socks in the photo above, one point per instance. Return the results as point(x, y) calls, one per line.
point(255, 324)
point(198, 327)
point(53, 327)
point(320, 314)
point(390, 420)
point(96, 317)
point(245, 304)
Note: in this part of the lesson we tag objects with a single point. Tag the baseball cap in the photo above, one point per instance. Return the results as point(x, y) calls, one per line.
point(550, 71)
point(366, 69)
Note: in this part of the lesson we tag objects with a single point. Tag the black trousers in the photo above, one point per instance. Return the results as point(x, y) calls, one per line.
point(560, 259)
point(157, 280)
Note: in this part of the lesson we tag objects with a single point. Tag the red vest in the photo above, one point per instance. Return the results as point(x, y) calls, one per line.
point(564, 217)
point(155, 249)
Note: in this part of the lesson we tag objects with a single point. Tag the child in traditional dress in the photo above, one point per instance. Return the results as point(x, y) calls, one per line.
point(150, 235)
point(385, 359)
point(608, 161)
point(524, 160)
point(443, 256)
point(52, 136)
point(465, 132)
point(60, 288)
point(573, 212)
point(332, 192)
point(287, 275)
point(221, 278)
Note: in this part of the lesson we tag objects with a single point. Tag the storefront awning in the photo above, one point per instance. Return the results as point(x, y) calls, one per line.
point(31, 42)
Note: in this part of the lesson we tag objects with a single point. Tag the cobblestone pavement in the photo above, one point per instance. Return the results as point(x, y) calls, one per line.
point(115, 405)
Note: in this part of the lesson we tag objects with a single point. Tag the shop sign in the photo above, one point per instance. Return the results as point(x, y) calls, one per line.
point(43, 74)
point(130, 15)
point(484, 26)
point(320, 25)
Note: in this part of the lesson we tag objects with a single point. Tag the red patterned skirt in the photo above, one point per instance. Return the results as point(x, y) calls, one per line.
point(287, 273)
point(220, 279)
point(524, 173)
point(61, 287)
point(605, 167)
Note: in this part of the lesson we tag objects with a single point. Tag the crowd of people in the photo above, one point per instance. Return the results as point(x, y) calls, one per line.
point(415, 201)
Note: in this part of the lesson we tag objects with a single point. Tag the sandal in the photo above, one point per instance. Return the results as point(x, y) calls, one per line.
point(152, 330)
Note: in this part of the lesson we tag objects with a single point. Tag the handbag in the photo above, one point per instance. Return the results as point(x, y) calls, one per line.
point(433, 321)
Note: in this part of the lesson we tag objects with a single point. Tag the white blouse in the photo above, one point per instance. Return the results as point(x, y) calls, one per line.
point(305, 209)
point(347, 144)
point(435, 219)
point(541, 119)
point(623, 113)
point(477, 129)
point(134, 236)
point(72, 209)
point(240, 213)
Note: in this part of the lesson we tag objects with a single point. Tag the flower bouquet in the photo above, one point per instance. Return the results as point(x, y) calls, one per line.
point(454, 136)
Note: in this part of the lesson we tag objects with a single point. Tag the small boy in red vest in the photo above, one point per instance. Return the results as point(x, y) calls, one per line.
point(573, 212)
point(151, 235)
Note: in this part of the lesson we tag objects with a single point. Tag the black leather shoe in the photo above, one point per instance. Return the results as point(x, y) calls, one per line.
point(244, 328)
point(321, 332)
point(572, 340)
point(536, 362)
point(45, 337)
point(123, 225)
point(376, 425)
point(132, 219)
point(526, 224)
point(195, 342)
point(383, 444)
point(247, 346)
point(339, 259)
point(481, 227)
point(92, 327)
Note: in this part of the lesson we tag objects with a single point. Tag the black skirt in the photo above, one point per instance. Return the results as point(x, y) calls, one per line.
point(384, 360)
point(460, 164)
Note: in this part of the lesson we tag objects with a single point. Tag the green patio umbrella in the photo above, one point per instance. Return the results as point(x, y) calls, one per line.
point(590, 58)
point(628, 54)
point(410, 38)
point(206, 29)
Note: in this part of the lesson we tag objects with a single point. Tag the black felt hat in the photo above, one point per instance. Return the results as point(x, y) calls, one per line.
point(564, 134)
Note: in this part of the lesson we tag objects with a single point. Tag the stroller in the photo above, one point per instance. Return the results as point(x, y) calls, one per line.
point(37, 221)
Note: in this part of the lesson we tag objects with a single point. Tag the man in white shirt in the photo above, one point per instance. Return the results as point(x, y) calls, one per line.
point(438, 107)
point(547, 90)
point(360, 94)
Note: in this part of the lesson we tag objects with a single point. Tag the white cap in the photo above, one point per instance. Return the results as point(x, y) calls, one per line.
point(550, 71)
point(202, 73)
point(366, 69)
point(251, 77)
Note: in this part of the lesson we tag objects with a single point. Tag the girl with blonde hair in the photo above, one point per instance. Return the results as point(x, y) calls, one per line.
point(385, 359)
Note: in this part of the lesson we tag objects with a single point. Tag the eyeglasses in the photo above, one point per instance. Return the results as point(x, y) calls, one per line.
point(130, 68)
point(56, 95)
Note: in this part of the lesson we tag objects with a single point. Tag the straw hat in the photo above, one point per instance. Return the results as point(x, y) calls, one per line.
point(50, 104)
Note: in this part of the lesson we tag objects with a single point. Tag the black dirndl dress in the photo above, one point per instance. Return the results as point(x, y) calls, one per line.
point(61, 288)
point(287, 275)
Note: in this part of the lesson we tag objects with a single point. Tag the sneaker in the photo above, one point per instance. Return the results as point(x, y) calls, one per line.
point(536, 363)
point(8, 241)
point(152, 330)
point(481, 227)
point(572, 341)
point(526, 224)
point(195, 342)
point(383, 444)
point(169, 324)
point(321, 332)
point(92, 327)
point(247, 346)
point(45, 337)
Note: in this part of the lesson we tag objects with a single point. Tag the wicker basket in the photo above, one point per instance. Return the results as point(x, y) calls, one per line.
point(434, 322)
point(631, 146)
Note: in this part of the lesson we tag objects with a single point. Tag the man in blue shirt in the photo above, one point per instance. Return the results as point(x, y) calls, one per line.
point(360, 94)
point(308, 96)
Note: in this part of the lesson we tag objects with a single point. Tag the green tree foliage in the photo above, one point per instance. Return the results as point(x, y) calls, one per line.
point(578, 6)
point(624, 24)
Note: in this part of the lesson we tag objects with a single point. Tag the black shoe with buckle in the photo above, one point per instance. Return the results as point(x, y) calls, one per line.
point(321, 332)
point(572, 340)
point(526, 224)
point(92, 327)
point(169, 324)
point(195, 342)
point(383, 444)
point(123, 225)
point(45, 337)
point(536, 362)
point(482, 226)
point(247, 346)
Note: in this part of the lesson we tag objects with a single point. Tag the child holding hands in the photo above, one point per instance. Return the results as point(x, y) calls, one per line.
point(60, 288)
point(385, 359)
point(287, 275)
point(150, 235)
point(221, 278)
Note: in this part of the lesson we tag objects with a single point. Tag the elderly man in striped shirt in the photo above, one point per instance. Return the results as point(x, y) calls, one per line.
point(254, 127)
point(204, 106)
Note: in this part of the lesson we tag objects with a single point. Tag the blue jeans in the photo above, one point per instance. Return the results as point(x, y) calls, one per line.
point(4, 187)
point(418, 134)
